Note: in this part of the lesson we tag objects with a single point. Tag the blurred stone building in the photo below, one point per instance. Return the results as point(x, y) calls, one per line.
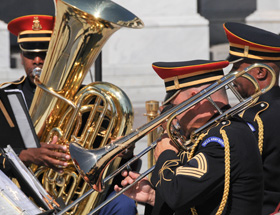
point(174, 31)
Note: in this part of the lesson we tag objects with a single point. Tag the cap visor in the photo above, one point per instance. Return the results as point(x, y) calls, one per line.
point(34, 46)
point(170, 95)
point(234, 59)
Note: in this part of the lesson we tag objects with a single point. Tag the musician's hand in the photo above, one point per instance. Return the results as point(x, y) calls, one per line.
point(49, 154)
point(163, 144)
point(142, 191)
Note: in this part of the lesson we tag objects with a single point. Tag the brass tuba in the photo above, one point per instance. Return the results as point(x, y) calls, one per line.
point(80, 31)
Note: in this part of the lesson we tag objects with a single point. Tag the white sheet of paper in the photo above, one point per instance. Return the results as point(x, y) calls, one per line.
point(15, 199)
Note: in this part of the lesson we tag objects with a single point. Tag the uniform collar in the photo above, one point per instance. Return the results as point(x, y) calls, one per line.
point(29, 85)
point(274, 92)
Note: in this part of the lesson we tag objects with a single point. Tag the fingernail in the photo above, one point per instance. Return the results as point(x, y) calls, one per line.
point(65, 164)
point(67, 157)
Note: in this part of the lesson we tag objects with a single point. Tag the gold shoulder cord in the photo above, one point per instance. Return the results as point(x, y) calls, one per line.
point(261, 128)
point(201, 136)
point(260, 133)
point(227, 168)
point(15, 82)
point(227, 171)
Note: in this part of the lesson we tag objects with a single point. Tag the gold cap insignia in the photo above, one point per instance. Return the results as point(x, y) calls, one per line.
point(36, 24)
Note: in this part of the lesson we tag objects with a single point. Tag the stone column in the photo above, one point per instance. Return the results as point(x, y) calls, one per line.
point(173, 31)
point(6, 73)
point(5, 46)
point(266, 16)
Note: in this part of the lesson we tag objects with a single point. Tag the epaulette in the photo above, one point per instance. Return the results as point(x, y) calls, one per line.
point(17, 82)
point(255, 110)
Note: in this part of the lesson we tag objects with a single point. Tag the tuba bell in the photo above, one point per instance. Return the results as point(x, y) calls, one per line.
point(92, 116)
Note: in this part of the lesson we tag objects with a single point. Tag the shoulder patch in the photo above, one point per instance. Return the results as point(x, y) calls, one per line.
point(213, 139)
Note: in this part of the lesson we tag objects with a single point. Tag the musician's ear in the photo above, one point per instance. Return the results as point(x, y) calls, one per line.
point(261, 73)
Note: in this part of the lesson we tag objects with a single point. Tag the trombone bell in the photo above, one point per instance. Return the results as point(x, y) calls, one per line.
point(87, 164)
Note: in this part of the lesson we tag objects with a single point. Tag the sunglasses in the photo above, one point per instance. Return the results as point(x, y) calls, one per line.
point(32, 55)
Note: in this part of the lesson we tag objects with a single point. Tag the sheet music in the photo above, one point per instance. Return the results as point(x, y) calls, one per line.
point(7, 207)
point(22, 118)
point(13, 200)
point(27, 175)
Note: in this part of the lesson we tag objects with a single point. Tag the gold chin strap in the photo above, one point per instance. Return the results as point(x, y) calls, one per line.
point(14, 82)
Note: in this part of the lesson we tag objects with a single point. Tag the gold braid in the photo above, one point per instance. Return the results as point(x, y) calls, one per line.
point(257, 118)
point(264, 106)
point(15, 82)
point(227, 169)
point(194, 212)
point(201, 136)
point(261, 133)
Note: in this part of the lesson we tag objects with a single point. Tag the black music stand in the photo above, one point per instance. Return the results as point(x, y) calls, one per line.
point(98, 67)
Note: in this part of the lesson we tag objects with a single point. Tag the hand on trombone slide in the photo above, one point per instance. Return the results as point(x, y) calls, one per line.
point(142, 191)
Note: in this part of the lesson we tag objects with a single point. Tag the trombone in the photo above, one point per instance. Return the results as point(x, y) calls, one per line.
point(92, 163)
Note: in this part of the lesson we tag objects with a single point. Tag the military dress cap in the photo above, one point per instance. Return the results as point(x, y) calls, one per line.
point(252, 43)
point(33, 31)
point(184, 74)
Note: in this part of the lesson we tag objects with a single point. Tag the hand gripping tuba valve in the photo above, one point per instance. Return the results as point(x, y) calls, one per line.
point(93, 116)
